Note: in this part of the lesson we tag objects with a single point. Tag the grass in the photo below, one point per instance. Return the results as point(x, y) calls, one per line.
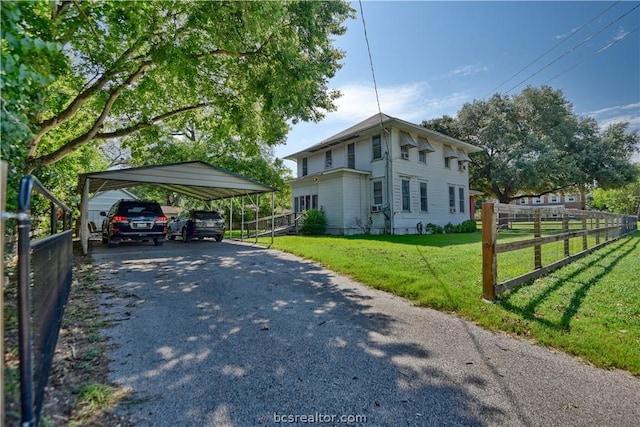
point(590, 308)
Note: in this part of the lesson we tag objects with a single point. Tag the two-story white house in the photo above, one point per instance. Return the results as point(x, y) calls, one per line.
point(384, 175)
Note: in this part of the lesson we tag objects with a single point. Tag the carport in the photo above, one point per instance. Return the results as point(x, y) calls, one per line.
point(196, 179)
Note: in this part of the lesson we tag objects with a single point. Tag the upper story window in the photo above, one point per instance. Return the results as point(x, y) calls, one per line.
point(304, 166)
point(404, 152)
point(523, 201)
point(537, 200)
point(351, 156)
point(571, 198)
point(376, 144)
point(449, 154)
point(328, 162)
point(447, 162)
point(554, 199)
point(422, 156)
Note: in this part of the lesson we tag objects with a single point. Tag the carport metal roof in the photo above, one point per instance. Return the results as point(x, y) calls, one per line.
point(195, 179)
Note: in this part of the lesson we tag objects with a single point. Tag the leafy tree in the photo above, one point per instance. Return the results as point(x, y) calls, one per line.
point(534, 144)
point(121, 68)
point(624, 200)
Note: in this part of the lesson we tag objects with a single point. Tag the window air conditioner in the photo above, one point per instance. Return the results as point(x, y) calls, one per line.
point(461, 167)
point(452, 210)
point(376, 208)
point(405, 155)
point(327, 164)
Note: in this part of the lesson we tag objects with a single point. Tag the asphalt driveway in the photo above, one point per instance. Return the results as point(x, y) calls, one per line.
point(230, 334)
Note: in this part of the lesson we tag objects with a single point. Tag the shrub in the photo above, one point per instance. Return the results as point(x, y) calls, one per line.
point(468, 226)
point(432, 228)
point(449, 228)
point(315, 223)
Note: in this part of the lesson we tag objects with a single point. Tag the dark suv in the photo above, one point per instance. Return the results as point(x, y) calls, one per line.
point(196, 224)
point(134, 220)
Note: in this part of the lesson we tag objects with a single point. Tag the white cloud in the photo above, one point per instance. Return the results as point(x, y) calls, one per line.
point(620, 113)
point(468, 70)
point(412, 102)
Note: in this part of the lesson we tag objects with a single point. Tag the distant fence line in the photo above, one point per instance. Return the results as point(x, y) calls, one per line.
point(548, 225)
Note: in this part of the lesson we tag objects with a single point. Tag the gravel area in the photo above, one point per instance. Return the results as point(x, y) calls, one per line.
point(231, 334)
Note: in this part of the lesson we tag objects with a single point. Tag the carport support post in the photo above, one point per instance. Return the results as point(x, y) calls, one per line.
point(273, 215)
point(84, 213)
point(257, 215)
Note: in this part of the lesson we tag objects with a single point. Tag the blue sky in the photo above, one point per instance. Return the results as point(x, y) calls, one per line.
point(430, 58)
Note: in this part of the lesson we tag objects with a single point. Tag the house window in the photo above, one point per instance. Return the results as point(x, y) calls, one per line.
point(351, 156)
point(452, 199)
point(376, 143)
point(404, 152)
point(523, 201)
point(424, 207)
point(571, 198)
point(304, 166)
point(447, 162)
point(377, 192)
point(303, 203)
point(328, 162)
point(422, 156)
point(406, 197)
point(537, 200)
point(461, 199)
point(554, 199)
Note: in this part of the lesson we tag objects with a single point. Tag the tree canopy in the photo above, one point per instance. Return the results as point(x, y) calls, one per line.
point(534, 144)
point(109, 69)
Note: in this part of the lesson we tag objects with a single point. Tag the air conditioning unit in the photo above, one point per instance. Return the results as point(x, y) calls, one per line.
point(327, 164)
point(376, 208)
point(405, 155)
point(461, 167)
point(452, 210)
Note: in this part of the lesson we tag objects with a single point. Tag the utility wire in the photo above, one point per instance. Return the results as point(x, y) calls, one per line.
point(375, 85)
point(574, 48)
point(594, 54)
point(555, 46)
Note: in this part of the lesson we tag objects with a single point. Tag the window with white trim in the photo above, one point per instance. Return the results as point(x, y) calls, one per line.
point(404, 152)
point(452, 199)
point(406, 195)
point(351, 156)
point(422, 156)
point(424, 201)
point(328, 160)
point(304, 166)
point(377, 193)
point(376, 145)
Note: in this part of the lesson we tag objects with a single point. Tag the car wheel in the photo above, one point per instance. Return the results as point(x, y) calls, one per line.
point(158, 242)
point(185, 236)
point(219, 238)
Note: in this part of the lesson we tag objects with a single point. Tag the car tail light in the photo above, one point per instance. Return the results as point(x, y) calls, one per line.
point(161, 219)
point(119, 218)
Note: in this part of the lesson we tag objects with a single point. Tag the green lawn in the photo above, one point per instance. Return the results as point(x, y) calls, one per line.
point(590, 308)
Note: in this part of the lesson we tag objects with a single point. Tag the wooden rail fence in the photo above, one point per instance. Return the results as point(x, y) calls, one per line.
point(541, 226)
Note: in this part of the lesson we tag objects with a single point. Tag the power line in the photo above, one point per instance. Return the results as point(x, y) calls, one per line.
point(594, 54)
point(555, 46)
point(375, 85)
point(574, 48)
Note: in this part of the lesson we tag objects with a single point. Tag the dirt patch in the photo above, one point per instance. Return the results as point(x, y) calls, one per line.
point(78, 392)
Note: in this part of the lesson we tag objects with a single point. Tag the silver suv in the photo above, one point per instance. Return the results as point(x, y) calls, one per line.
point(196, 224)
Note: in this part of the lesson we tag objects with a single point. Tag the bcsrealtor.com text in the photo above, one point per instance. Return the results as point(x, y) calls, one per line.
point(318, 418)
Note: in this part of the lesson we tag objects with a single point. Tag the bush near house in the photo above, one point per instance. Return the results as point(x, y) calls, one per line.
point(315, 223)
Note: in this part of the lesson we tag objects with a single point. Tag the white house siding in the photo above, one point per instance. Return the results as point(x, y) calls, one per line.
point(345, 197)
point(438, 179)
point(330, 199)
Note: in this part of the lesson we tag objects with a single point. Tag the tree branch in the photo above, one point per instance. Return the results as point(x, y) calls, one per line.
point(91, 134)
point(78, 101)
point(139, 126)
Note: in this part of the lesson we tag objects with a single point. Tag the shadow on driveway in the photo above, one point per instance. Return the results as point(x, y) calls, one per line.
point(215, 334)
